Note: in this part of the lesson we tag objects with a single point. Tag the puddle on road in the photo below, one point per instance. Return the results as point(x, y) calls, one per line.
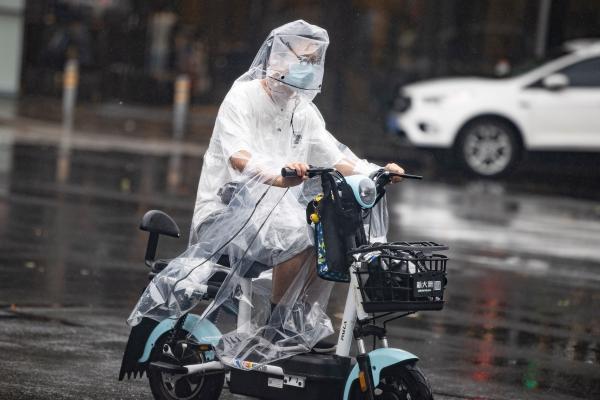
point(79, 242)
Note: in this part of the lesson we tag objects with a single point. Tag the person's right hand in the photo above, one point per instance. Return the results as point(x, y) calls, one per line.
point(300, 177)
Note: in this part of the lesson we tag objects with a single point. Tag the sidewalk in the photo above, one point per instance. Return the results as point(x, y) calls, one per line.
point(148, 129)
point(106, 127)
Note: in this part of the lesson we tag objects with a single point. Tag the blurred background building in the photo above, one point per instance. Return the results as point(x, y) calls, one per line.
point(130, 51)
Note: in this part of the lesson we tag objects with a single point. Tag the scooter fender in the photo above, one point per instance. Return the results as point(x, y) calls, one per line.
point(380, 359)
point(202, 330)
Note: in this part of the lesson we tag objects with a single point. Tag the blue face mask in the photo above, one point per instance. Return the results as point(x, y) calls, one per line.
point(300, 76)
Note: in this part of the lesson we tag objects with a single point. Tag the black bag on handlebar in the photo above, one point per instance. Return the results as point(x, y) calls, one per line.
point(337, 223)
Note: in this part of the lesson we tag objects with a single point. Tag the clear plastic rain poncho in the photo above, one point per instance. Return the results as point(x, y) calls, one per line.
point(266, 121)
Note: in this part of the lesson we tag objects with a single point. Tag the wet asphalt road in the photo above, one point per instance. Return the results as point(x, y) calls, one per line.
point(521, 319)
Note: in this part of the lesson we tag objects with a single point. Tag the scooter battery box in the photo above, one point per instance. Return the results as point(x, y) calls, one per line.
point(307, 377)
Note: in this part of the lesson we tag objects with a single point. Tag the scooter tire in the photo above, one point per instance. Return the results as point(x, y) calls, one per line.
point(399, 382)
point(198, 387)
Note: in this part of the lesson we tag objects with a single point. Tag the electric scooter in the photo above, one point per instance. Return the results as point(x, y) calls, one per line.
point(387, 281)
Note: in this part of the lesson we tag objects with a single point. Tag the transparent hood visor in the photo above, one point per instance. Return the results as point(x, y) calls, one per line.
point(297, 62)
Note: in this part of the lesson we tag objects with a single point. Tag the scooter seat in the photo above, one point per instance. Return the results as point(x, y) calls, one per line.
point(324, 346)
point(159, 265)
point(254, 271)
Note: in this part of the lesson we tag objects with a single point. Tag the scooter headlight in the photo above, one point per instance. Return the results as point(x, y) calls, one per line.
point(367, 192)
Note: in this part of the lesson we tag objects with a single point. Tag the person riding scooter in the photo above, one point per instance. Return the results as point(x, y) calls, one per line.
point(266, 119)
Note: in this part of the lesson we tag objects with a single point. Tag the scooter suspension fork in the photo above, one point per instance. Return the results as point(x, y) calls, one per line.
point(365, 376)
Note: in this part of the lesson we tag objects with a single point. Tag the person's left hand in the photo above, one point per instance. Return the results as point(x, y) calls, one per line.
point(392, 167)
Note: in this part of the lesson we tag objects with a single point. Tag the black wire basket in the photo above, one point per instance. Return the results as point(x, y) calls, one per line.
point(401, 276)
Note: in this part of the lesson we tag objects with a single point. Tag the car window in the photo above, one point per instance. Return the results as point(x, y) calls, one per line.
point(583, 74)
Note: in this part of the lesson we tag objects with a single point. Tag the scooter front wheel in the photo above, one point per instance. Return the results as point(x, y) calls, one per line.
point(167, 386)
point(399, 382)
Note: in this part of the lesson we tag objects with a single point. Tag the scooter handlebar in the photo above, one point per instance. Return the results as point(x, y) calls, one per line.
point(288, 172)
point(314, 171)
point(408, 176)
point(311, 172)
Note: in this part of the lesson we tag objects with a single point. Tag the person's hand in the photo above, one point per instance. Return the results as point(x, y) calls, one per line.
point(392, 167)
point(300, 177)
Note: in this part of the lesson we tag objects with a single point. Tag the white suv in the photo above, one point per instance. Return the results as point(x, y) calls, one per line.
point(489, 122)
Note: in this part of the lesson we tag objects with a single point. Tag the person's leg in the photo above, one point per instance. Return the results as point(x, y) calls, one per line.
point(285, 273)
point(302, 266)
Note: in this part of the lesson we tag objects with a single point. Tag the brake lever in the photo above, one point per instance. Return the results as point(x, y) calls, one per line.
point(383, 178)
point(408, 176)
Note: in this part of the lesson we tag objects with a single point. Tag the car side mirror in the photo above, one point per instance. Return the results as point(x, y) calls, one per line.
point(157, 223)
point(556, 82)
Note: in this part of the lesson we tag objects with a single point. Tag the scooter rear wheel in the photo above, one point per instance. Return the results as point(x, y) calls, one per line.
point(399, 382)
point(166, 386)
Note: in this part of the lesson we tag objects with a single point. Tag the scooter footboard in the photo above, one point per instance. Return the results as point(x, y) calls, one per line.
point(304, 377)
point(380, 359)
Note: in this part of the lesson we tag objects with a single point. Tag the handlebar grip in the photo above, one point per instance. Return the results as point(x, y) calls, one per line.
point(288, 172)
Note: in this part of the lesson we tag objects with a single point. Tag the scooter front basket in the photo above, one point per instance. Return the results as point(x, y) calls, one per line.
point(401, 276)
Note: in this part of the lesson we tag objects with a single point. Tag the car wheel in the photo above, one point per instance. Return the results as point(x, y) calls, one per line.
point(488, 147)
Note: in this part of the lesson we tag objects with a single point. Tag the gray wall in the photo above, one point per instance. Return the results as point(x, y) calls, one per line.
point(11, 39)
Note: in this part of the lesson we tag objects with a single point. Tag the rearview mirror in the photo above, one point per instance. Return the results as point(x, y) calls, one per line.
point(556, 82)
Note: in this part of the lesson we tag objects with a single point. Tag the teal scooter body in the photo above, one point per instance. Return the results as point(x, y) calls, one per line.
point(202, 330)
point(380, 359)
